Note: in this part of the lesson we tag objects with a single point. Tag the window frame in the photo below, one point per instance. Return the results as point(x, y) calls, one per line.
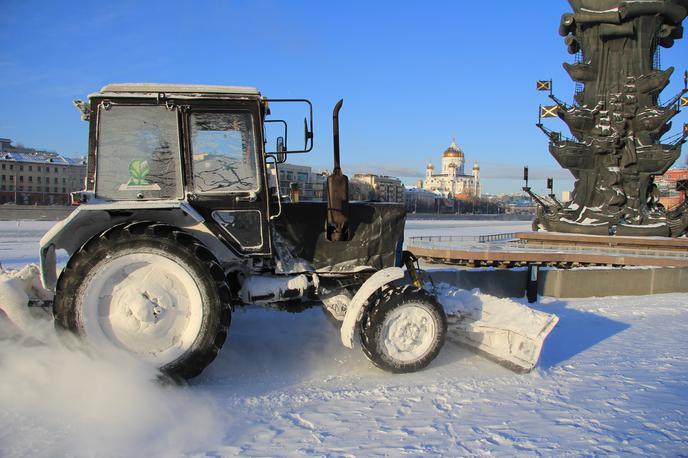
point(180, 148)
point(256, 151)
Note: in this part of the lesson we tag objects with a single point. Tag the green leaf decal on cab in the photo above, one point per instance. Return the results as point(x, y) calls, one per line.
point(138, 170)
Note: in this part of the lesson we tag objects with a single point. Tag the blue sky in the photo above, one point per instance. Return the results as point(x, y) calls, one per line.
point(413, 74)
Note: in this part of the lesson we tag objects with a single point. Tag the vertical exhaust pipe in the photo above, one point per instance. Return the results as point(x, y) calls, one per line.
point(337, 190)
point(335, 134)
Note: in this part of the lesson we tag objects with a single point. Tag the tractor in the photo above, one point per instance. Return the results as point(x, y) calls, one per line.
point(182, 220)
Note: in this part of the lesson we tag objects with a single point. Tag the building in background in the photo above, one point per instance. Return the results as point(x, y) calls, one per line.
point(419, 200)
point(361, 191)
point(386, 188)
point(311, 185)
point(452, 179)
point(666, 184)
point(33, 177)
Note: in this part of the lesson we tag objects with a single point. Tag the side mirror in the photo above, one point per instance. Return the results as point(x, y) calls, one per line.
point(307, 126)
point(307, 134)
point(281, 147)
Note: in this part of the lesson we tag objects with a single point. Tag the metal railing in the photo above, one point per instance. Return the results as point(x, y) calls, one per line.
point(434, 240)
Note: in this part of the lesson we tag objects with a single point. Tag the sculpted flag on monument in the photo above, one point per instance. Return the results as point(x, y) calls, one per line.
point(548, 111)
point(543, 85)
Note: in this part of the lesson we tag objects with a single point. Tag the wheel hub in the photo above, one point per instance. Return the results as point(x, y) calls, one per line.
point(148, 307)
point(408, 332)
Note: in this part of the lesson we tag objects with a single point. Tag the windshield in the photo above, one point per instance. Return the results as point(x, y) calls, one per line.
point(223, 149)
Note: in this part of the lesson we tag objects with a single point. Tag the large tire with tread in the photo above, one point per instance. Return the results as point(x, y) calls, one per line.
point(403, 330)
point(150, 289)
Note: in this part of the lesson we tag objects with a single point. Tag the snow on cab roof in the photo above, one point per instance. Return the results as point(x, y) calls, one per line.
point(177, 88)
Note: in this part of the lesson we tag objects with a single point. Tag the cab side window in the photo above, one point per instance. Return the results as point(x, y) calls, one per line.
point(223, 152)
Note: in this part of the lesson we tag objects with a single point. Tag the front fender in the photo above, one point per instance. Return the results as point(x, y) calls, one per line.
point(354, 312)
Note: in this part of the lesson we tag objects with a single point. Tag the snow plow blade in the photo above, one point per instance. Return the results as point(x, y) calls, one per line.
point(502, 330)
point(19, 289)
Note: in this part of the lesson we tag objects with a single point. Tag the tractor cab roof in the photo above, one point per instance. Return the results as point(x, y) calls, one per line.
point(175, 90)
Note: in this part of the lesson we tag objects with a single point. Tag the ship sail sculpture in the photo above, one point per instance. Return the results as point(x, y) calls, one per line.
point(616, 121)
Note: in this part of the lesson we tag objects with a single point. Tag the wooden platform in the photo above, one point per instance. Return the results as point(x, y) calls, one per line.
point(569, 240)
point(558, 250)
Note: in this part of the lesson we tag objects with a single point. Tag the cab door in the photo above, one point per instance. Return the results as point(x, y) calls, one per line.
point(226, 178)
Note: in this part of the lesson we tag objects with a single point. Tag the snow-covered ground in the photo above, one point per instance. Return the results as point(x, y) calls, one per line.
point(612, 380)
point(19, 241)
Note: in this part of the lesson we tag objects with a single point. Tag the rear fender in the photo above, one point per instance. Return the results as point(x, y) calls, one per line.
point(89, 220)
point(354, 312)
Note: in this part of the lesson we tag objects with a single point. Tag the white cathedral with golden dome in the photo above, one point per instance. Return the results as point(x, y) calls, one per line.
point(452, 180)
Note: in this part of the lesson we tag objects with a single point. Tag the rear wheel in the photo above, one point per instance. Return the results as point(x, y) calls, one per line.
point(151, 290)
point(404, 330)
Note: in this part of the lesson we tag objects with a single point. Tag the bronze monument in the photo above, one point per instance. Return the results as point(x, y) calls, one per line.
point(617, 121)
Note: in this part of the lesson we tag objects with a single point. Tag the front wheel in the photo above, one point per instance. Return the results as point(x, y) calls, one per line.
point(404, 330)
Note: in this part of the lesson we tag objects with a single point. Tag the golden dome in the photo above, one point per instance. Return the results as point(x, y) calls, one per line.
point(430, 166)
point(453, 151)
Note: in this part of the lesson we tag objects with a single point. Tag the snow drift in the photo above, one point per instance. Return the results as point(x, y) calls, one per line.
point(110, 404)
point(60, 399)
point(612, 380)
